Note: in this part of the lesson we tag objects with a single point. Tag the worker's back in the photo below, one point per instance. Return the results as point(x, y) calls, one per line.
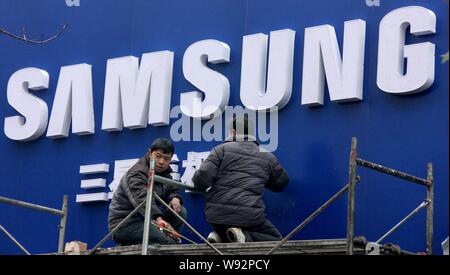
point(238, 172)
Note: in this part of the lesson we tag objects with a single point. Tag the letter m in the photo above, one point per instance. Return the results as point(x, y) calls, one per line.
point(136, 95)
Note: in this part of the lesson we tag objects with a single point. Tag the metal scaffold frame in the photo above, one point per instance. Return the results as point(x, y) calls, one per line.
point(350, 187)
point(61, 213)
point(428, 201)
point(353, 179)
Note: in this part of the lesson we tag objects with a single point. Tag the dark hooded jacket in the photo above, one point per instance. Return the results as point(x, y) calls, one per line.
point(132, 191)
point(237, 173)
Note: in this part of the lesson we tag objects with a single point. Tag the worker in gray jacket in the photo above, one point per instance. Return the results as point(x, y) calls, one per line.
point(237, 172)
point(132, 191)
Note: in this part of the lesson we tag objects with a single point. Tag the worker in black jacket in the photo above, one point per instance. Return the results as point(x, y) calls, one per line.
point(237, 172)
point(132, 191)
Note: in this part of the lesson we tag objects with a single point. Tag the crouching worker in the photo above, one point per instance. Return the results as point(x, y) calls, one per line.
point(237, 172)
point(132, 191)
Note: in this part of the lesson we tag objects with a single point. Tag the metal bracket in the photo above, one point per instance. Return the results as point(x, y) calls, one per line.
point(372, 249)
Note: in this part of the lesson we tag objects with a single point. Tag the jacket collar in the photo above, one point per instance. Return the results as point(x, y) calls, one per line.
point(242, 138)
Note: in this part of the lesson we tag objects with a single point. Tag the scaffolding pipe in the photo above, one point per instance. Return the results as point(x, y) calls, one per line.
point(410, 215)
point(14, 240)
point(430, 207)
point(148, 206)
point(310, 218)
point(32, 206)
point(100, 243)
point(392, 172)
point(187, 224)
point(177, 184)
point(62, 225)
point(351, 196)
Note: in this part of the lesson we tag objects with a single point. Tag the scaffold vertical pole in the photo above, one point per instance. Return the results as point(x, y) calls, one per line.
point(62, 225)
point(351, 197)
point(148, 207)
point(430, 197)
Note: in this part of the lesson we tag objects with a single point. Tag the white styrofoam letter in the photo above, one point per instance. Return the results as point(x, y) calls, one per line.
point(135, 96)
point(214, 85)
point(322, 58)
point(254, 93)
point(34, 111)
point(392, 51)
point(73, 102)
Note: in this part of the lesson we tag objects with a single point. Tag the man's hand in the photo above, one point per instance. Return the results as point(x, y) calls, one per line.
point(163, 223)
point(175, 204)
point(172, 233)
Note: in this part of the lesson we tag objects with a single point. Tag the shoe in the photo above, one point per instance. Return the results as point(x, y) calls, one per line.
point(213, 237)
point(235, 235)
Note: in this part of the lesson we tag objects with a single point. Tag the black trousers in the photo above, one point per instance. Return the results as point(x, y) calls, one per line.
point(265, 231)
point(131, 234)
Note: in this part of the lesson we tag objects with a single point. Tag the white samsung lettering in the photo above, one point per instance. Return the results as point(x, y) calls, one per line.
point(254, 93)
point(73, 102)
point(136, 95)
point(215, 86)
point(392, 51)
point(322, 58)
point(33, 121)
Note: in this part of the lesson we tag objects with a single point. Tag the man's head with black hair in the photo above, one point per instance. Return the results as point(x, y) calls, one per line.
point(162, 150)
point(163, 144)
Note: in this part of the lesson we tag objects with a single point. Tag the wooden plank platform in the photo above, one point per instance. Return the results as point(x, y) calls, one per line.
point(296, 247)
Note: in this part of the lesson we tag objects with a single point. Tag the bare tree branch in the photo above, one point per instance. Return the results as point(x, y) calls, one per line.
point(25, 39)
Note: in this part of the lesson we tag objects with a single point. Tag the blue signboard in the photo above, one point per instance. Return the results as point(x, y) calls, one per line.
point(327, 70)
